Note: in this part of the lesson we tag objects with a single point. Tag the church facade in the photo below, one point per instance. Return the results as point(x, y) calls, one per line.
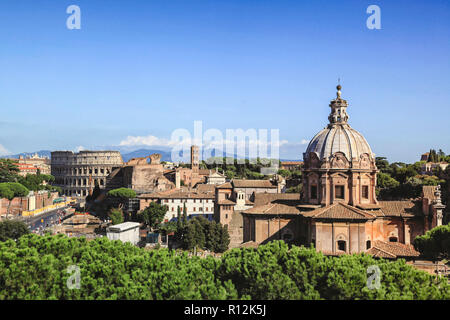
point(339, 212)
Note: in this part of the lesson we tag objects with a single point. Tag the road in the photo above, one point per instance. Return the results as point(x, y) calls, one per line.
point(44, 220)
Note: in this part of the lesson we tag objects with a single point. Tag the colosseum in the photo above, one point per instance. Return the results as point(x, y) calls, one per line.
point(76, 173)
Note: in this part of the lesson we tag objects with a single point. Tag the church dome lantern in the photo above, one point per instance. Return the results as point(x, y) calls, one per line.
point(339, 165)
point(338, 136)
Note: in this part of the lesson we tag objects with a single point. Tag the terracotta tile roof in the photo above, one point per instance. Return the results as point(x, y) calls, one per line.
point(339, 211)
point(226, 201)
point(249, 244)
point(178, 194)
point(378, 253)
point(242, 183)
point(273, 208)
point(226, 185)
point(400, 208)
point(204, 172)
point(365, 206)
point(206, 188)
point(392, 250)
point(265, 198)
point(291, 163)
point(428, 192)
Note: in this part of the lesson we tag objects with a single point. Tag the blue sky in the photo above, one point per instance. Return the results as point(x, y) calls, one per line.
point(146, 68)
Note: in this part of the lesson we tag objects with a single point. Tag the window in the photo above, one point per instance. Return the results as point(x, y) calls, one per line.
point(287, 237)
point(339, 192)
point(368, 244)
point(342, 245)
point(313, 192)
point(206, 209)
point(365, 192)
point(195, 209)
point(393, 239)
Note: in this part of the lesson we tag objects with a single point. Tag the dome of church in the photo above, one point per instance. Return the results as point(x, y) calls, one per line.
point(338, 136)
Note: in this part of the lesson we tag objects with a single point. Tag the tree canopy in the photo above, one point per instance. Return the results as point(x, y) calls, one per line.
point(435, 243)
point(35, 267)
point(8, 171)
point(122, 193)
point(12, 229)
point(201, 233)
point(116, 215)
point(153, 215)
point(10, 190)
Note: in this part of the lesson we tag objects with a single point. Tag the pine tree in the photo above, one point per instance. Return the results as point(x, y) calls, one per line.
point(184, 214)
point(179, 222)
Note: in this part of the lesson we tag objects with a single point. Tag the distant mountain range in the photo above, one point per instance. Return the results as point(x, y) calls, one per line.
point(165, 156)
point(126, 155)
point(41, 153)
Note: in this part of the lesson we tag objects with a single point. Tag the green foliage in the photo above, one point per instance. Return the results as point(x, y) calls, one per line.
point(10, 190)
point(6, 192)
point(204, 234)
point(168, 227)
point(296, 189)
point(285, 173)
point(122, 193)
point(435, 244)
point(274, 271)
point(116, 216)
point(8, 171)
point(11, 229)
point(153, 215)
point(239, 168)
point(399, 180)
point(35, 182)
point(35, 267)
point(185, 217)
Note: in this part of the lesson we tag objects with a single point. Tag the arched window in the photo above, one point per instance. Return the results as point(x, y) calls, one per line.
point(342, 245)
point(393, 239)
point(313, 192)
point(368, 244)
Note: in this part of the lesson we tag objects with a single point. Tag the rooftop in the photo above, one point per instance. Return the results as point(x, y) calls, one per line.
point(242, 183)
point(124, 226)
point(392, 250)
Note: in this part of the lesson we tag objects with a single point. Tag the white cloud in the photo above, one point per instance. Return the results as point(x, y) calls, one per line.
point(79, 148)
point(155, 141)
point(3, 151)
point(304, 141)
point(146, 141)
